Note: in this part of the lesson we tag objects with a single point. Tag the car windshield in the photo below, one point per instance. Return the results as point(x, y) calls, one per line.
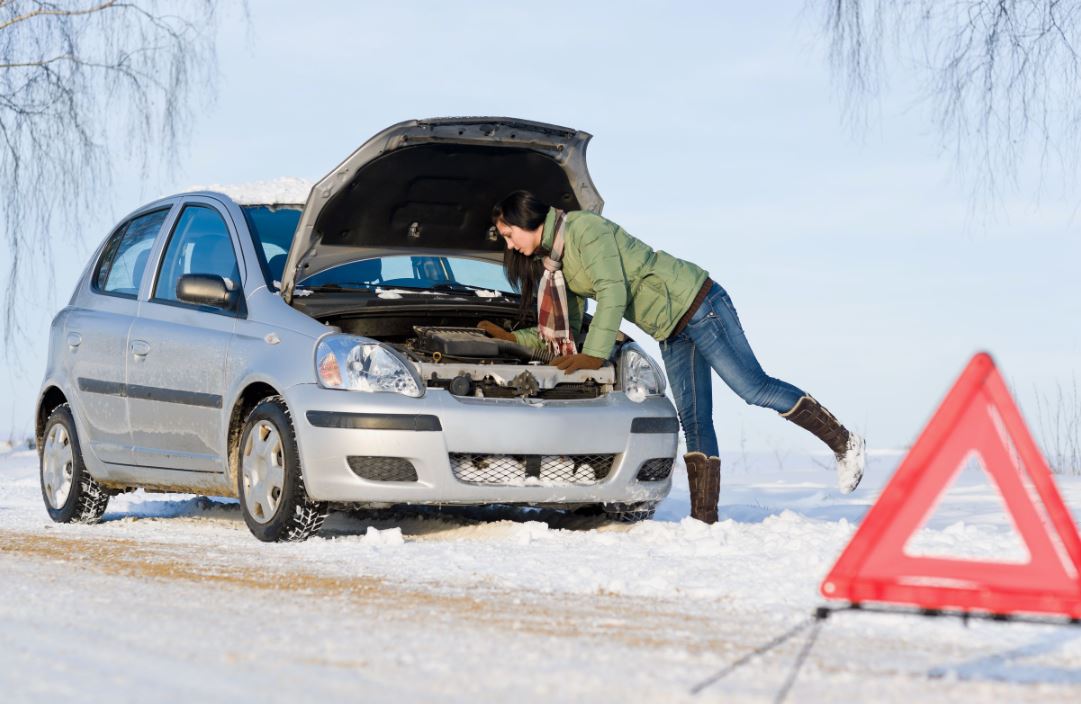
point(272, 227)
point(414, 272)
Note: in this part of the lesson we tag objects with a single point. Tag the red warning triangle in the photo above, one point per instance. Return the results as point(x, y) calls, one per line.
point(978, 417)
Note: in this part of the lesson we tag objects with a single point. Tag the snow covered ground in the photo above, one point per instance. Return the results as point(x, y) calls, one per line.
point(171, 599)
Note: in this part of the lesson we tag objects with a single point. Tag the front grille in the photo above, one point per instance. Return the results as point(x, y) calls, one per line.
point(655, 470)
point(383, 469)
point(526, 470)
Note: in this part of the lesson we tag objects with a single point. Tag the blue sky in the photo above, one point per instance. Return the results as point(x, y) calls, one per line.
point(861, 268)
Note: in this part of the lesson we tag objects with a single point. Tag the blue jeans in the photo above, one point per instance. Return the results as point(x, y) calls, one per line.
point(714, 339)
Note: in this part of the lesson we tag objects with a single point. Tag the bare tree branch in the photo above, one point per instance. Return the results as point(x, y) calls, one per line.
point(1058, 420)
point(1001, 76)
point(83, 82)
point(48, 10)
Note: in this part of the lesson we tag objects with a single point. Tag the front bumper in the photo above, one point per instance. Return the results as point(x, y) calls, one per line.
point(426, 431)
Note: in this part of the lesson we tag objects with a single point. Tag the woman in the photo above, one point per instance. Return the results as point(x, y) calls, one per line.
point(551, 253)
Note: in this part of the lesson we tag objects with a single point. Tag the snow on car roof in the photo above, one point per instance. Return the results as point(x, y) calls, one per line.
point(278, 191)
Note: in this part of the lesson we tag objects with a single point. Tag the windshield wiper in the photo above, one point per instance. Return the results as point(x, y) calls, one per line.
point(458, 286)
point(434, 287)
point(336, 287)
point(440, 287)
point(455, 286)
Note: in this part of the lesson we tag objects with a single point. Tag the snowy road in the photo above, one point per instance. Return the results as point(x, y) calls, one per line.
point(171, 599)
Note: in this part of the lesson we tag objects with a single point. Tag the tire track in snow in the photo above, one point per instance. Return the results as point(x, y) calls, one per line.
point(633, 621)
point(681, 642)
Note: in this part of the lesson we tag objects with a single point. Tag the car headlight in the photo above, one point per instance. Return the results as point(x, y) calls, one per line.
point(639, 375)
point(356, 364)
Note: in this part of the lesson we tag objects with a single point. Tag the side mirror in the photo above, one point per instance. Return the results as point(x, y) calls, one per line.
point(207, 290)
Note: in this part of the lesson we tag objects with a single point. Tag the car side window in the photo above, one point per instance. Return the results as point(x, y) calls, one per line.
point(123, 261)
point(200, 244)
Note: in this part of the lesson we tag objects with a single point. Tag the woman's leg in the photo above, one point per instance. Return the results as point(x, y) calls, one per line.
point(718, 336)
point(692, 387)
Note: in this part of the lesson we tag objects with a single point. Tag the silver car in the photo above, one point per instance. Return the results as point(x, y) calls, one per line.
point(307, 355)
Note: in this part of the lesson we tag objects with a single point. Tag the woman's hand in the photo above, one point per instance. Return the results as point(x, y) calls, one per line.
point(495, 331)
point(573, 362)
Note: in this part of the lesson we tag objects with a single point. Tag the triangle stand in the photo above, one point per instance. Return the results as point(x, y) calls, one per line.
point(978, 419)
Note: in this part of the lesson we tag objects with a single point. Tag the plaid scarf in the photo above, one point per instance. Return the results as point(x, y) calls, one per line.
point(552, 322)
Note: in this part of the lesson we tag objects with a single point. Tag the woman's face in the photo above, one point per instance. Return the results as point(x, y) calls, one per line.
point(518, 239)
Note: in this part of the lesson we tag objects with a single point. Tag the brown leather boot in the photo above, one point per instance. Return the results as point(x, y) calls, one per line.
point(704, 478)
point(849, 448)
point(813, 417)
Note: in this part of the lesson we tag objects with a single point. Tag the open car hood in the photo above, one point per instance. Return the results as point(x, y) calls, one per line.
point(429, 186)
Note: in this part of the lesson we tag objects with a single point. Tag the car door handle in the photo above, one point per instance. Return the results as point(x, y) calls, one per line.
point(140, 348)
point(74, 340)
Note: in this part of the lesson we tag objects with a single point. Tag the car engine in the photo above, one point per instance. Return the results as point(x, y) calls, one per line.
point(467, 362)
point(469, 344)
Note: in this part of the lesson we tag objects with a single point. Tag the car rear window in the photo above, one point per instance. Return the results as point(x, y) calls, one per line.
point(123, 261)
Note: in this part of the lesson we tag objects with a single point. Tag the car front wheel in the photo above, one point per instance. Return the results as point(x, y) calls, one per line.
point(270, 484)
point(71, 494)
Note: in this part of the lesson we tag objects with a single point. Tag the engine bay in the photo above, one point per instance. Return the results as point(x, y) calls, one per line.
point(468, 363)
point(451, 353)
point(468, 345)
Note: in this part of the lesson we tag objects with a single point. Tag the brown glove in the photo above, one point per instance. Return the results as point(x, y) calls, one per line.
point(495, 331)
point(573, 362)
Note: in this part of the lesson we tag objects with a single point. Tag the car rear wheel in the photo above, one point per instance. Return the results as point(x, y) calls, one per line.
point(270, 483)
point(71, 495)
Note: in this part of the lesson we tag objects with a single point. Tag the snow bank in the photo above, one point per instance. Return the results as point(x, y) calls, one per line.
point(780, 530)
point(679, 598)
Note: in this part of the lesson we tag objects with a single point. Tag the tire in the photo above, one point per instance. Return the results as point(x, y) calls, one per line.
point(630, 513)
point(71, 495)
point(270, 483)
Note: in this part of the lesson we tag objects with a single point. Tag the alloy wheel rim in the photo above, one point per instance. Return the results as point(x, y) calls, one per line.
point(263, 471)
point(58, 466)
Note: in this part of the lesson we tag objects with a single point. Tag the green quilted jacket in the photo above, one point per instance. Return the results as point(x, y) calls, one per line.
point(626, 277)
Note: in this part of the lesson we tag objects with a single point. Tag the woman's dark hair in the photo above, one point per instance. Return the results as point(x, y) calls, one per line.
point(521, 209)
point(527, 211)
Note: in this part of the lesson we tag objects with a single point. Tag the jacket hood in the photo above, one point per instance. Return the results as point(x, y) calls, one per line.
point(429, 186)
